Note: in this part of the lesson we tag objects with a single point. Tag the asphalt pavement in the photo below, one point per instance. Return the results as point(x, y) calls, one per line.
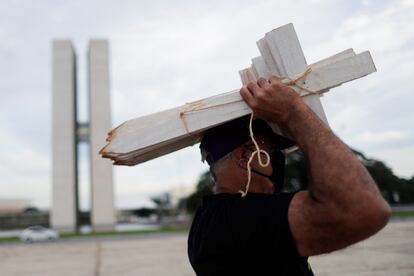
point(390, 252)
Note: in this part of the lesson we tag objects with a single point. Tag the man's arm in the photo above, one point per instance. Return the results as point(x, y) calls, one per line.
point(343, 204)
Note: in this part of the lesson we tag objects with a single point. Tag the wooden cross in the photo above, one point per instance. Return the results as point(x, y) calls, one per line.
point(144, 138)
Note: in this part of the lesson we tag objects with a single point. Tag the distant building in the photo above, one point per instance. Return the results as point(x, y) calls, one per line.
point(13, 206)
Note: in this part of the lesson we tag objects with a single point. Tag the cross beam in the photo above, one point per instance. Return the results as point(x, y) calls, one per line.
point(144, 138)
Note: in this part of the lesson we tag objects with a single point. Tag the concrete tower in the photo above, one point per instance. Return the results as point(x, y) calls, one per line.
point(103, 215)
point(64, 154)
point(67, 133)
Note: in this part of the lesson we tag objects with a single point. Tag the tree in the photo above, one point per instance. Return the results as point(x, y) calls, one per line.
point(297, 177)
point(204, 187)
point(163, 203)
point(144, 212)
point(388, 183)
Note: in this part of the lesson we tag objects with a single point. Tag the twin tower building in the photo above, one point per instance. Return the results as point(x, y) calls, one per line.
point(68, 133)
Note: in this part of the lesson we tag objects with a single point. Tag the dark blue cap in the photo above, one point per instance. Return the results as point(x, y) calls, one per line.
point(223, 139)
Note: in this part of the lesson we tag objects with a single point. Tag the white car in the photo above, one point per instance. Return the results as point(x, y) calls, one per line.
point(38, 233)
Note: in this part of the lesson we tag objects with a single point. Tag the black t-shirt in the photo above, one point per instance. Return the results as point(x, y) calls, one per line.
point(231, 235)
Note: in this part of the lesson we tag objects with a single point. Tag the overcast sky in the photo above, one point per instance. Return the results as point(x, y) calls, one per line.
point(166, 53)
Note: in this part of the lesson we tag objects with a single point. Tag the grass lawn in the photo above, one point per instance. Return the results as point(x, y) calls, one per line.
point(110, 233)
point(395, 214)
point(402, 214)
point(123, 233)
point(9, 239)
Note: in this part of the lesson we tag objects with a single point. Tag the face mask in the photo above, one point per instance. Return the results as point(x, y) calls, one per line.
point(277, 161)
point(270, 177)
point(278, 168)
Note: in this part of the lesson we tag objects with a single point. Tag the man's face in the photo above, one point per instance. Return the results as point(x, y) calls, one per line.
point(265, 144)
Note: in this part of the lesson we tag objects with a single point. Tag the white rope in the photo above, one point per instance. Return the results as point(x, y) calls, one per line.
point(257, 152)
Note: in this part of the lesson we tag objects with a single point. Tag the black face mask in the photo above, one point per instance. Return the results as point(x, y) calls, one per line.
point(277, 161)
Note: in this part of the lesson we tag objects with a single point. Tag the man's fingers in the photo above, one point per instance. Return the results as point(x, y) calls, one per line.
point(253, 87)
point(246, 95)
point(275, 79)
point(262, 82)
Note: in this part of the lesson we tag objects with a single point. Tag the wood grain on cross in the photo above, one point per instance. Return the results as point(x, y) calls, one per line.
point(144, 138)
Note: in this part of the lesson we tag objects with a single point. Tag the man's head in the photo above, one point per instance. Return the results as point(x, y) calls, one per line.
point(228, 147)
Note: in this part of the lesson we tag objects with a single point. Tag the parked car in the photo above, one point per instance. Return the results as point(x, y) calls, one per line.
point(38, 233)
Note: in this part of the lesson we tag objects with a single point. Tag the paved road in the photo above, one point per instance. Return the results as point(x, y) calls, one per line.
point(391, 252)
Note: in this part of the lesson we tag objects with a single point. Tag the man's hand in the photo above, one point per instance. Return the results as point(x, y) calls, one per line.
point(271, 100)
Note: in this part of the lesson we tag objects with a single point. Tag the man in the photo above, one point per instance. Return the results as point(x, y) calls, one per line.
point(268, 233)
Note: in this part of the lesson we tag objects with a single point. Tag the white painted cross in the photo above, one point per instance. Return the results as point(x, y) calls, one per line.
point(142, 139)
